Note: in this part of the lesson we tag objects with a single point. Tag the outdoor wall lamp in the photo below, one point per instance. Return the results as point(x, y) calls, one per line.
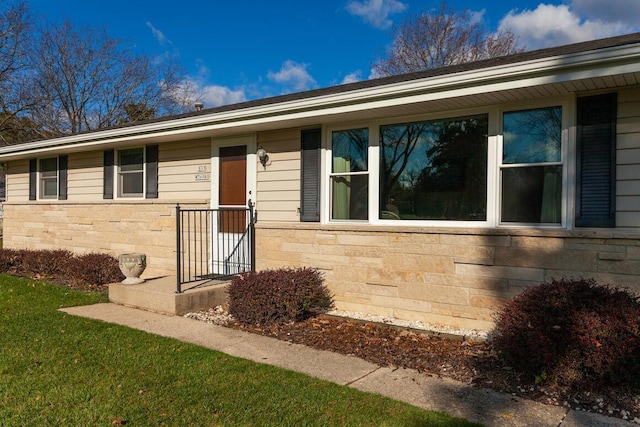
point(262, 156)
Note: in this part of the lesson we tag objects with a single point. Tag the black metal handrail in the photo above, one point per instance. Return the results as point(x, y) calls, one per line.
point(214, 243)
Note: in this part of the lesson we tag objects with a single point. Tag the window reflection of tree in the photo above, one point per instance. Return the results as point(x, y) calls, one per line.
point(397, 146)
point(533, 136)
point(532, 187)
point(449, 182)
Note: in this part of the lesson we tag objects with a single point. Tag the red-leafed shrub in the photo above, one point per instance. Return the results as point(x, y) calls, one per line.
point(574, 333)
point(9, 258)
point(278, 296)
point(44, 263)
point(96, 269)
point(61, 266)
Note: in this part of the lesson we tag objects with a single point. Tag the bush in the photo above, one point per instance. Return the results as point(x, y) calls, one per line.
point(44, 263)
point(9, 258)
point(278, 296)
point(61, 266)
point(573, 333)
point(96, 269)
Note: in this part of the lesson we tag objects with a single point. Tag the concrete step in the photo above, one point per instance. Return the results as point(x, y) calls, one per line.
point(159, 295)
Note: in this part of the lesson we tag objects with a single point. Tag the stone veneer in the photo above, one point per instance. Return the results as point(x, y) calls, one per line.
point(455, 277)
point(147, 227)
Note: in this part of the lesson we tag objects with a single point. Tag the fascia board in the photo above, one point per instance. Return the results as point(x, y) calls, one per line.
point(556, 69)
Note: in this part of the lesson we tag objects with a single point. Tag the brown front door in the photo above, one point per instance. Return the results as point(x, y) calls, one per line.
point(233, 188)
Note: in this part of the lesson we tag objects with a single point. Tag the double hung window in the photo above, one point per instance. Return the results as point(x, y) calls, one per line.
point(349, 174)
point(531, 170)
point(131, 172)
point(48, 182)
point(48, 178)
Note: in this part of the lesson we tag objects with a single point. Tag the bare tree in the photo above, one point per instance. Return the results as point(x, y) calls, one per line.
point(442, 38)
point(15, 96)
point(87, 80)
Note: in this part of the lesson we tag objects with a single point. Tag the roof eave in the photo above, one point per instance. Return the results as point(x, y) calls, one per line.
point(608, 61)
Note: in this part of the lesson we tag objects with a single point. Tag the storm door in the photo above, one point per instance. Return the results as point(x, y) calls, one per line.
point(231, 245)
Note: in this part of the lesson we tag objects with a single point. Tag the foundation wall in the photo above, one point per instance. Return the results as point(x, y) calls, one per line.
point(116, 228)
point(458, 278)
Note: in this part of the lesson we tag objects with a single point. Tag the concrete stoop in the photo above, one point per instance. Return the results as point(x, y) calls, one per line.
point(159, 295)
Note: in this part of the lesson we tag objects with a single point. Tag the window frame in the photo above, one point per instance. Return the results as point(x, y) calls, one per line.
point(494, 163)
point(566, 162)
point(454, 116)
point(328, 210)
point(118, 193)
point(54, 177)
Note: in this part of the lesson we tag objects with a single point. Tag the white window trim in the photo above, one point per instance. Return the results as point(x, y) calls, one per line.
point(40, 188)
point(494, 164)
point(116, 176)
point(567, 160)
point(327, 173)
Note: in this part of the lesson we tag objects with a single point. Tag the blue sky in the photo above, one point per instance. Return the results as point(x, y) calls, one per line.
point(241, 50)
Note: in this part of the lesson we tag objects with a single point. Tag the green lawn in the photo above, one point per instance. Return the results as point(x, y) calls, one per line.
point(57, 369)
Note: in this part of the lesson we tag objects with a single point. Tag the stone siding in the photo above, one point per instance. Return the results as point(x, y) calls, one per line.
point(455, 277)
point(141, 226)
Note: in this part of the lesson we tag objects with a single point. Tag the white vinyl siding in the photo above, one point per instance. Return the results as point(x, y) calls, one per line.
point(85, 176)
point(628, 159)
point(184, 170)
point(278, 184)
point(18, 180)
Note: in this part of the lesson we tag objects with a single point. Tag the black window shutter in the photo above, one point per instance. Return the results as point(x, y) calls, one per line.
point(33, 178)
point(310, 176)
point(596, 161)
point(107, 173)
point(151, 159)
point(62, 177)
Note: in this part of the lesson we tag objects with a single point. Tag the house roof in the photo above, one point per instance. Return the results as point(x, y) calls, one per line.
point(599, 64)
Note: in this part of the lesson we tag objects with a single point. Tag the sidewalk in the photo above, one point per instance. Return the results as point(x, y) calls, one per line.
point(458, 399)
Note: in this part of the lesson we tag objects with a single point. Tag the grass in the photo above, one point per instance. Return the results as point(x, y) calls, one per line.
point(57, 369)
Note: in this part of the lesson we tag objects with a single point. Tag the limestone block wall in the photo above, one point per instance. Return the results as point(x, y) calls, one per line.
point(455, 277)
point(114, 228)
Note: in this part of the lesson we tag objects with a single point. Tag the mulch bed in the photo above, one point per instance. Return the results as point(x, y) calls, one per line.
point(468, 361)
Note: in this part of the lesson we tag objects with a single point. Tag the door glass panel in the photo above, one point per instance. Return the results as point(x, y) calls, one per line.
point(233, 188)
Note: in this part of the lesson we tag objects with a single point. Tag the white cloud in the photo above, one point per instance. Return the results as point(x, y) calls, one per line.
point(215, 96)
point(193, 90)
point(356, 76)
point(293, 75)
point(625, 11)
point(554, 25)
point(158, 35)
point(477, 17)
point(374, 74)
point(376, 12)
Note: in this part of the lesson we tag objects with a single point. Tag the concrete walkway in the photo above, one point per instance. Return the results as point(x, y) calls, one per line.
point(460, 400)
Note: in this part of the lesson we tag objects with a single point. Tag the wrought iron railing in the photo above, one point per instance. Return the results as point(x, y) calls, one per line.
point(214, 243)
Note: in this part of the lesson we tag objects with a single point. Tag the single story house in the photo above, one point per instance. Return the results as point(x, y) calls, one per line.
point(430, 196)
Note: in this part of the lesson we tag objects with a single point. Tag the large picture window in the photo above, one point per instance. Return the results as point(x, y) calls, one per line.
point(349, 175)
point(531, 172)
point(477, 168)
point(435, 170)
